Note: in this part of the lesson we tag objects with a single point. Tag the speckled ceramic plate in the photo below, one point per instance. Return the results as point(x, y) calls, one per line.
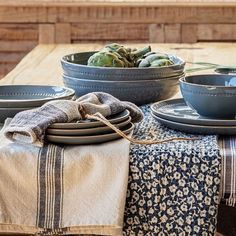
point(88, 131)
point(84, 124)
point(178, 111)
point(21, 96)
point(93, 139)
point(197, 129)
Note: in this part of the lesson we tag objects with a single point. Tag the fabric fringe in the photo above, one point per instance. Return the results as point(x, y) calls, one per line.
point(51, 232)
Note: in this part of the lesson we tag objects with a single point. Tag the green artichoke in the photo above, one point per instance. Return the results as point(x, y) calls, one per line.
point(155, 60)
point(116, 55)
point(105, 59)
point(161, 62)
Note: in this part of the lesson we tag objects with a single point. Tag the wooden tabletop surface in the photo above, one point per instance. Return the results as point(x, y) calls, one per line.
point(196, 3)
point(42, 64)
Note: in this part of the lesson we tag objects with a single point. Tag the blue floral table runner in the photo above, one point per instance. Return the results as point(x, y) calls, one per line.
point(173, 187)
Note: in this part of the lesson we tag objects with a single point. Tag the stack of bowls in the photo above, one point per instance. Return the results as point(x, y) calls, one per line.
point(17, 98)
point(137, 85)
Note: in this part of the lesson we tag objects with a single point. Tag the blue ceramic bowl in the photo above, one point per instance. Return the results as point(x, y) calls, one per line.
point(75, 65)
point(212, 95)
point(138, 92)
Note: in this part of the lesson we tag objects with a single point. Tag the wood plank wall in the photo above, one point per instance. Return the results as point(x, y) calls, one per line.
point(23, 27)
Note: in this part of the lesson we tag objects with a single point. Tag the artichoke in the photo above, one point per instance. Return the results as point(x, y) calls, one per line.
point(116, 55)
point(161, 62)
point(154, 60)
point(105, 59)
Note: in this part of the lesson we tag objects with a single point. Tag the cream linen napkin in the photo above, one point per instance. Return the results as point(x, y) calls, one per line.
point(76, 190)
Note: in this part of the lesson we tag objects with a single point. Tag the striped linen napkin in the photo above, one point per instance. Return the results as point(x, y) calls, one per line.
point(30, 126)
point(228, 173)
point(55, 190)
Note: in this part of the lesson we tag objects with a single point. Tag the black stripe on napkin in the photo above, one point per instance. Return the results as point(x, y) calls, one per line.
point(50, 187)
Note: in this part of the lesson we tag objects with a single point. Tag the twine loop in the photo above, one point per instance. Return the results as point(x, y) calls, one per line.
point(99, 117)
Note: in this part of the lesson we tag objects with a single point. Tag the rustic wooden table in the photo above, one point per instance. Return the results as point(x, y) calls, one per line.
point(42, 64)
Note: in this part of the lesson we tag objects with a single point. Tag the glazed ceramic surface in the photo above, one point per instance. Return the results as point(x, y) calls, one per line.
point(75, 65)
point(211, 95)
point(84, 124)
point(88, 131)
point(31, 95)
point(93, 139)
point(177, 110)
point(197, 129)
point(138, 92)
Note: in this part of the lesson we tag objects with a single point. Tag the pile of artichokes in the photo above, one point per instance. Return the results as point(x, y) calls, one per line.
point(116, 55)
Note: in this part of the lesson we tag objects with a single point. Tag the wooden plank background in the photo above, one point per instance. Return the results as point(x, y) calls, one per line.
point(24, 24)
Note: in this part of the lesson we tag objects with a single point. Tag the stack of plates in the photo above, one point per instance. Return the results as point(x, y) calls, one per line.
point(176, 114)
point(17, 98)
point(89, 131)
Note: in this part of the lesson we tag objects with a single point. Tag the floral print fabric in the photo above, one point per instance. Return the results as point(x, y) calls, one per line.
point(173, 187)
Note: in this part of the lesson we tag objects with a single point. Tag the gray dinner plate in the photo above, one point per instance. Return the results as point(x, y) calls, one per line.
point(84, 124)
point(88, 131)
point(16, 96)
point(197, 129)
point(177, 110)
point(92, 139)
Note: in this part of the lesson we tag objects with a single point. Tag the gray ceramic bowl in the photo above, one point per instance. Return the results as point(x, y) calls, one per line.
point(75, 65)
point(210, 95)
point(138, 92)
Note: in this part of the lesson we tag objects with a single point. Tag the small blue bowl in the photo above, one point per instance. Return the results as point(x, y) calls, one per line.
point(212, 95)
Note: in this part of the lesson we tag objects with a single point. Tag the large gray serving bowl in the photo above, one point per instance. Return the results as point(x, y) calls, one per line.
point(75, 65)
point(211, 95)
point(138, 92)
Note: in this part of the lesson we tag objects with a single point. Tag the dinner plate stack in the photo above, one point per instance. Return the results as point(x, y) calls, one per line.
point(89, 131)
point(17, 98)
point(138, 85)
point(176, 114)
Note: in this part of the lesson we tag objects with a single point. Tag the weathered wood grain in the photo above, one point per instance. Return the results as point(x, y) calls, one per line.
point(17, 46)
point(18, 32)
point(46, 33)
point(189, 33)
point(62, 33)
point(11, 57)
point(172, 33)
point(107, 31)
point(156, 33)
point(216, 32)
point(117, 14)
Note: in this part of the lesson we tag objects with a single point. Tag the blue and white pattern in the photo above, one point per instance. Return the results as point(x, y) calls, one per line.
point(173, 187)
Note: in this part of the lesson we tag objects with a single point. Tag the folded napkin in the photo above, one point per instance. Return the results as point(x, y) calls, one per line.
point(30, 126)
point(55, 190)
